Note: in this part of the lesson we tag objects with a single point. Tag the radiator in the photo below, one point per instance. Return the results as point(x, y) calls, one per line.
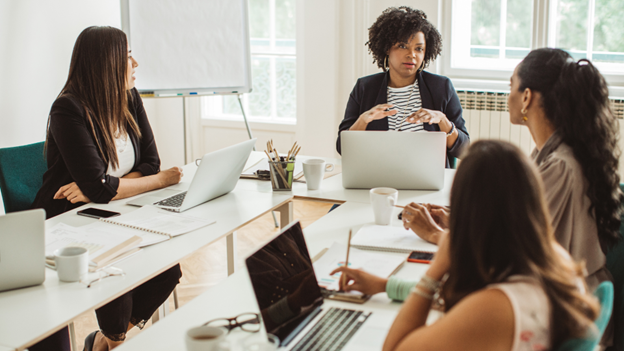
point(487, 117)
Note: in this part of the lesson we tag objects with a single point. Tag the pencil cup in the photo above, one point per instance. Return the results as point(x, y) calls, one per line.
point(282, 174)
point(72, 263)
point(383, 201)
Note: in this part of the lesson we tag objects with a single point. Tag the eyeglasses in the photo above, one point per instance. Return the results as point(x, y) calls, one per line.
point(249, 322)
point(105, 273)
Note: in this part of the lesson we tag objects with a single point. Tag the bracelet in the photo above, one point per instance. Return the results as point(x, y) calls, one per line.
point(419, 292)
point(452, 129)
point(429, 283)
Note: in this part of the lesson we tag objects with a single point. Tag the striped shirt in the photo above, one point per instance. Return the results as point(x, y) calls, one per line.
point(399, 98)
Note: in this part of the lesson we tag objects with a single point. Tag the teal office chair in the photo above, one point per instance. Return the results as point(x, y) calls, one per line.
point(604, 293)
point(615, 264)
point(21, 175)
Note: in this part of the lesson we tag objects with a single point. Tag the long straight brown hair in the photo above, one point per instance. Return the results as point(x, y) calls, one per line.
point(500, 227)
point(98, 79)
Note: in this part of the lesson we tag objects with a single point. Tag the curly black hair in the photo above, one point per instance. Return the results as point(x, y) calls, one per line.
point(397, 25)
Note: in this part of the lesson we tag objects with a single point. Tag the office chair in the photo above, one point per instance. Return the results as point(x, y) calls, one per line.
point(21, 175)
point(604, 293)
point(615, 264)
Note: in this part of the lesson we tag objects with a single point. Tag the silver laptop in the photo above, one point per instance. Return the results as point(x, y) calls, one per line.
point(22, 249)
point(291, 302)
point(400, 160)
point(216, 175)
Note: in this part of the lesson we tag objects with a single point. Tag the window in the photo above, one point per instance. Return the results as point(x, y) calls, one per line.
point(273, 68)
point(497, 34)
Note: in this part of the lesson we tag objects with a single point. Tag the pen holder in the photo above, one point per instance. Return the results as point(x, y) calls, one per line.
point(281, 174)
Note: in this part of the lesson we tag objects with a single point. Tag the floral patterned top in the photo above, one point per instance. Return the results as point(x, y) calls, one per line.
point(531, 313)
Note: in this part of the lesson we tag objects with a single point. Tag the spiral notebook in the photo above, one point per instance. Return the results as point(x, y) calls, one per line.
point(157, 224)
point(389, 238)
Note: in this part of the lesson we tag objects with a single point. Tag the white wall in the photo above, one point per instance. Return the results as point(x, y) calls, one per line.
point(37, 38)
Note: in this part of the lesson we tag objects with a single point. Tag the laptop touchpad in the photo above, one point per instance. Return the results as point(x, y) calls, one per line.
point(152, 198)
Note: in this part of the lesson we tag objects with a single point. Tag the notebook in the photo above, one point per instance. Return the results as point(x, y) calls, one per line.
point(389, 238)
point(157, 224)
point(104, 246)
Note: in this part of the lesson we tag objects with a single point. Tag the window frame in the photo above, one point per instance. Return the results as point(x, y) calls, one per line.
point(211, 109)
point(540, 37)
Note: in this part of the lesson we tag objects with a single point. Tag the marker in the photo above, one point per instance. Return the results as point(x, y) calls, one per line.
point(192, 93)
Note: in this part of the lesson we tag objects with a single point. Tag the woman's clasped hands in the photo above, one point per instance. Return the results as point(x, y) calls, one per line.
point(428, 221)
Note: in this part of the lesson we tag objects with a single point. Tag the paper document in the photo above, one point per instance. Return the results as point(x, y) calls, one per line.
point(263, 165)
point(389, 238)
point(93, 239)
point(377, 263)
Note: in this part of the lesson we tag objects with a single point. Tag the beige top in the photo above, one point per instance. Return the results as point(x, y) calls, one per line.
point(531, 309)
point(565, 187)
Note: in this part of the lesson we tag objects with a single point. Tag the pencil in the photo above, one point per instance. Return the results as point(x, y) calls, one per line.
point(399, 206)
point(346, 265)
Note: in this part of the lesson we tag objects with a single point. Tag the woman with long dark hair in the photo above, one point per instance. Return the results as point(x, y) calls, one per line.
point(404, 97)
point(100, 147)
point(510, 285)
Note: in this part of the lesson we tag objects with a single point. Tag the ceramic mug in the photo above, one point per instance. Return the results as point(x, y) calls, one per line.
point(72, 263)
point(204, 338)
point(314, 172)
point(383, 201)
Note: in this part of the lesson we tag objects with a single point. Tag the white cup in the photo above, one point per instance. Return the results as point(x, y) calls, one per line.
point(204, 338)
point(314, 172)
point(72, 263)
point(383, 201)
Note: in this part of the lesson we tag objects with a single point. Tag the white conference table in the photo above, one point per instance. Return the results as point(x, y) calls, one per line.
point(54, 304)
point(235, 295)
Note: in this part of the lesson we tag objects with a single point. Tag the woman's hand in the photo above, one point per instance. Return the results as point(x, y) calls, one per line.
point(375, 113)
point(359, 280)
point(72, 193)
point(417, 218)
point(427, 116)
point(170, 176)
point(440, 214)
point(441, 263)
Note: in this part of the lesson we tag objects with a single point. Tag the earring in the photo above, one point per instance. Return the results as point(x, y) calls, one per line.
point(422, 67)
point(524, 112)
point(385, 64)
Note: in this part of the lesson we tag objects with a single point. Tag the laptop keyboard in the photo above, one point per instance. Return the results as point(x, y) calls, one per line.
point(333, 330)
point(172, 201)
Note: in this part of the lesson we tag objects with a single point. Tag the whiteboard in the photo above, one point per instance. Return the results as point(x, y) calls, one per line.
point(190, 47)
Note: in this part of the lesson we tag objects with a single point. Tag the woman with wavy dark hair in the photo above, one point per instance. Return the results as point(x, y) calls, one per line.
point(404, 97)
point(100, 147)
point(565, 105)
point(510, 285)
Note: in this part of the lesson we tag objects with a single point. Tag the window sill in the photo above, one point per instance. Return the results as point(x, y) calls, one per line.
point(615, 91)
point(254, 125)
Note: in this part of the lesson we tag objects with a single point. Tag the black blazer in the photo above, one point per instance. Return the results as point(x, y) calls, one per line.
point(73, 155)
point(436, 92)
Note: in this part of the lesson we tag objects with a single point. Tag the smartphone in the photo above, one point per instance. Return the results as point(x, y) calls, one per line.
point(97, 213)
point(420, 257)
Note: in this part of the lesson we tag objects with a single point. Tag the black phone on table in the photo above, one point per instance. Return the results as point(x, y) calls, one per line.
point(420, 257)
point(97, 213)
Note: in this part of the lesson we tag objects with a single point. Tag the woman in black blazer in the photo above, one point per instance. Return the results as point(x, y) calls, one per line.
point(100, 147)
point(404, 97)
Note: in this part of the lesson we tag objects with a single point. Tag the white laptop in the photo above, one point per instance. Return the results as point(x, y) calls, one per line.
point(22, 249)
point(400, 160)
point(292, 303)
point(216, 175)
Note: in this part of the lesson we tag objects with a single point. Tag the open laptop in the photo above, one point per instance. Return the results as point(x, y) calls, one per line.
point(400, 160)
point(291, 302)
point(216, 175)
point(22, 249)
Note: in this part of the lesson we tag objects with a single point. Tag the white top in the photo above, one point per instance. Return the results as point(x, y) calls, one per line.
point(406, 100)
point(531, 310)
point(125, 155)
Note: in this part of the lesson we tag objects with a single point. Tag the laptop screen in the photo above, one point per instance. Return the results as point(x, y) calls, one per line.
point(284, 282)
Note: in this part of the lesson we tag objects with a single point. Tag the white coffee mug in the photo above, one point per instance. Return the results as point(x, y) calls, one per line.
point(314, 172)
point(72, 263)
point(204, 338)
point(383, 201)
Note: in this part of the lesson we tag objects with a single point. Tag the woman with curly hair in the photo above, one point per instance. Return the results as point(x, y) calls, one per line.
point(404, 97)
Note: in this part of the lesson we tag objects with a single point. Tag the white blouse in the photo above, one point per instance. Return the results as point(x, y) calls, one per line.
point(125, 155)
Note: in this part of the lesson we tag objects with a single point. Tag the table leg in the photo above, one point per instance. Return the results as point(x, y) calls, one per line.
point(230, 243)
point(286, 214)
point(72, 337)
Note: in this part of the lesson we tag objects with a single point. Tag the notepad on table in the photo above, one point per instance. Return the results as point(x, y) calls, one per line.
point(389, 238)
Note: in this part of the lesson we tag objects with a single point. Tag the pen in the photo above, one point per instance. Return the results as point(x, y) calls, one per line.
point(346, 265)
